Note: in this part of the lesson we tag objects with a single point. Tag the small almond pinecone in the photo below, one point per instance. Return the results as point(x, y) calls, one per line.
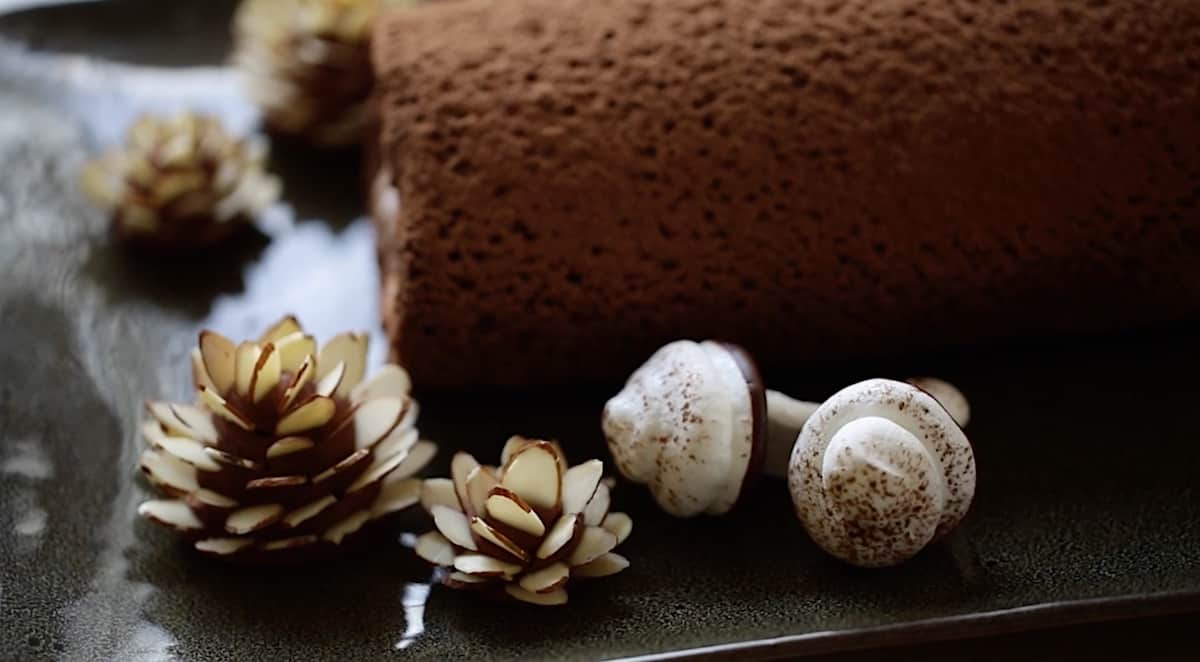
point(307, 65)
point(523, 530)
point(180, 183)
point(289, 453)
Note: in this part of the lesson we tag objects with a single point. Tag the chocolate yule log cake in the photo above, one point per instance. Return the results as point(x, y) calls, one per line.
point(563, 185)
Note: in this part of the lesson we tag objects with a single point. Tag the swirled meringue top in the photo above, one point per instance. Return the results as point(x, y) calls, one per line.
point(879, 471)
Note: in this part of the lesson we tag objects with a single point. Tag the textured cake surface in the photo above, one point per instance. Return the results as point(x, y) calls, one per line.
point(579, 181)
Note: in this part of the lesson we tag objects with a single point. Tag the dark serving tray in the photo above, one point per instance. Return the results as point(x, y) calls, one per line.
point(1087, 447)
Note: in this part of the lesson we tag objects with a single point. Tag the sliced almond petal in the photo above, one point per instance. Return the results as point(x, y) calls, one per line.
point(153, 433)
point(314, 413)
point(602, 566)
point(217, 356)
point(222, 546)
point(170, 512)
point(374, 419)
point(214, 499)
point(480, 482)
point(348, 348)
point(533, 474)
point(419, 456)
point(396, 496)
point(190, 451)
point(352, 462)
point(284, 544)
point(328, 384)
point(287, 446)
point(594, 543)
point(434, 547)
point(439, 492)
point(184, 420)
point(338, 532)
point(485, 566)
point(505, 506)
point(547, 579)
point(562, 457)
point(222, 408)
point(579, 484)
point(563, 532)
point(399, 440)
point(454, 525)
point(286, 326)
point(551, 599)
point(409, 418)
point(162, 412)
point(514, 444)
point(245, 358)
point(300, 379)
point(269, 484)
point(390, 381)
point(294, 349)
point(597, 508)
point(199, 372)
point(197, 420)
point(231, 460)
point(464, 578)
point(307, 512)
point(253, 518)
point(618, 524)
point(267, 372)
point(168, 473)
point(486, 531)
point(380, 467)
point(184, 448)
point(461, 466)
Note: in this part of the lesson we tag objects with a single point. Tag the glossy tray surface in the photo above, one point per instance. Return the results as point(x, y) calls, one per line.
point(1087, 449)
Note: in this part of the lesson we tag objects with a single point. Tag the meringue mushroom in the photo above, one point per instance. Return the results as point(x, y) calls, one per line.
point(696, 425)
point(787, 415)
point(879, 471)
point(947, 396)
point(690, 425)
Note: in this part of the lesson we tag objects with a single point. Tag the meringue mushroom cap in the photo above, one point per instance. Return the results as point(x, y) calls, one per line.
point(947, 395)
point(684, 425)
point(879, 471)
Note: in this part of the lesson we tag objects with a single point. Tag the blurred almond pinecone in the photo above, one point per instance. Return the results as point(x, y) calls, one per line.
point(525, 529)
point(180, 183)
point(289, 452)
point(307, 64)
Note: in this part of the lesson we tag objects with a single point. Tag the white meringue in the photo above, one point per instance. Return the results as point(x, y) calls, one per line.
point(879, 471)
point(684, 426)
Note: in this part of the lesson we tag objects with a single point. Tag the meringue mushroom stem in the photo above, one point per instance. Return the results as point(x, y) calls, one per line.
point(947, 395)
point(786, 416)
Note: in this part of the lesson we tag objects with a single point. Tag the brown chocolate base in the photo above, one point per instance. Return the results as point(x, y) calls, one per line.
point(758, 413)
point(582, 181)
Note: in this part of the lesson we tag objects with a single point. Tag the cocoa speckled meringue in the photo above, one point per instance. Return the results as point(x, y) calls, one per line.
point(879, 471)
point(696, 426)
point(690, 424)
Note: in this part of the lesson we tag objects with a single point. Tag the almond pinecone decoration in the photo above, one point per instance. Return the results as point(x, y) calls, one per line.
point(180, 183)
point(307, 65)
point(288, 453)
point(524, 529)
